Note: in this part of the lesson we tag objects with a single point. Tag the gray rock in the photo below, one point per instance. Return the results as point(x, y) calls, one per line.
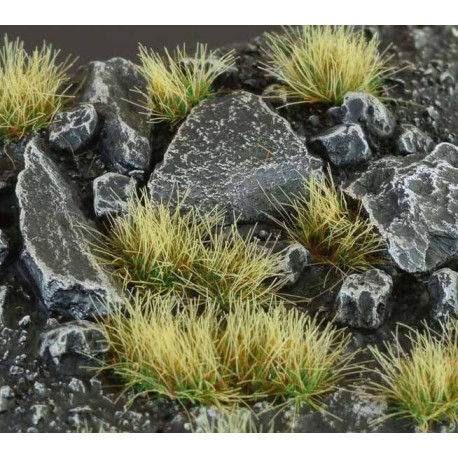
point(3, 294)
point(70, 347)
point(414, 205)
point(6, 395)
point(342, 145)
point(73, 130)
point(234, 152)
point(4, 247)
point(40, 412)
point(413, 140)
point(111, 194)
point(362, 301)
point(54, 247)
point(293, 260)
point(443, 292)
point(124, 140)
point(360, 107)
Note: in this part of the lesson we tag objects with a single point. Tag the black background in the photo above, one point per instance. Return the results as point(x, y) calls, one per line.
point(102, 42)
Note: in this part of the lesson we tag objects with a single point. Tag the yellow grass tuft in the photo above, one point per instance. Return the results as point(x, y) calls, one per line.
point(422, 384)
point(31, 87)
point(187, 253)
point(322, 63)
point(335, 234)
point(178, 82)
point(247, 353)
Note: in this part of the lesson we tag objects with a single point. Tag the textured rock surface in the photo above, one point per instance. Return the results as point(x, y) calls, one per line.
point(111, 193)
point(124, 140)
point(54, 249)
point(362, 301)
point(4, 247)
point(359, 107)
point(443, 292)
point(67, 346)
point(293, 260)
point(3, 293)
point(234, 152)
point(74, 130)
point(414, 204)
point(412, 140)
point(342, 145)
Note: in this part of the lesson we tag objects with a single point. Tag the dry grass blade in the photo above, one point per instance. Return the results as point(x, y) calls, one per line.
point(421, 384)
point(200, 354)
point(31, 87)
point(178, 82)
point(335, 234)
point(187, 253)
point(323, 63)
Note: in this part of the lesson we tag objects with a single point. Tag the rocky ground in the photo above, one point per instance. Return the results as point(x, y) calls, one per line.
point(400, 161)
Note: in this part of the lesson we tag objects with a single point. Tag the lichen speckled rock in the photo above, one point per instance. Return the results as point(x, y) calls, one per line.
point(73, 130)
point(443, 292)
point(4, 247)
point(124, 139)
point(412, 140)
point(362, 301)
point(54, 249)
point(414, 204)
point(111, 194)
point(234, 152)
point(342, 145)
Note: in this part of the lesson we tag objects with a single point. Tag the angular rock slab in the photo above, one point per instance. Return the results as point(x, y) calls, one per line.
point(414, 205)
point(443, 292)
point(233, 152)
point(124, 140)
point(54, 249)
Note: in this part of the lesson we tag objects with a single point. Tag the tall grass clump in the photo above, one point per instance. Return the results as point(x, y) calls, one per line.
point(336, 234)
point(187, 253)
point(176, 82)
point(198, 353)
point(322, 63)
point(31, 87)
point(422, 383)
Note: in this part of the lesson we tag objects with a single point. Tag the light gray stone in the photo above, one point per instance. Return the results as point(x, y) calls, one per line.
point(412, 140)
point(342, 145)
point(4, 247)
point(364, 108)
point(73, 130)
point(112, 191)
point(124, 139)
point(234, 152)
point(68, 347)
point(414, 205)
point(443, 292)
point(55, 250)
point(362, 301)
point(293, 260)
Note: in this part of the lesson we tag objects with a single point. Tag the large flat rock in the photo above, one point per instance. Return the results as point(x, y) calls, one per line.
point(54, 248)
point(234, 152)
point(414, 204)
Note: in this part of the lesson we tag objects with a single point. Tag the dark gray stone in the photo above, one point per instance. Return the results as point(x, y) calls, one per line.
point(293, 259)
point(111, 194)
point(54, 247)
point(3, 294)
point(412, 140)
point(414, 205)
point(124, 140)
point(443, 292)
point(69, 347)
point(342, 145)
point(4, 247)
point(234, 152)
point(362, 301)
point(360, 107)
point(74, 130)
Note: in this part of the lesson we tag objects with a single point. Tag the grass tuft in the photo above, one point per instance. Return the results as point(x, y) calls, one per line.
point(200, 354)
point(187, 253)
point(335, 234)
point(178, 82)
point(421, 384)
point(31, 87)
point(323, 63)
